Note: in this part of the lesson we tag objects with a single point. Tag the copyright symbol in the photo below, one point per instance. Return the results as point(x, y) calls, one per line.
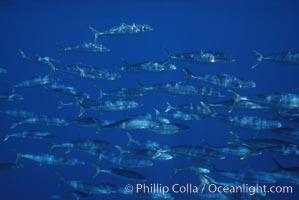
point(129, 188)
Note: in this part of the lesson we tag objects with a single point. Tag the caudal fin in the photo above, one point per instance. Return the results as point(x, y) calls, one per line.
point(6, 138)
point(96, 34)
point(130, 139)
point(14, 125)
point(98, 171)
point(236, 138)
point(169, 107)
point(188, 74)
point(259, 58)
point(22, 54)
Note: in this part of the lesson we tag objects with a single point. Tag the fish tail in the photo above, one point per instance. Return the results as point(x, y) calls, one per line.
point(100, 91)
point(143, 86)
point(61, 105)
point(6, 138)
point(279, 166)
point(98, 171)
point(82, 110)
point(157, 112)
point(169, 55)
point(259, 58)
point(236, 138)
point(23, 55)
point(237, 98)
point(120, 149)
point(176, 171)
point(62, 179)
point(250, 153)
point(14, 125)
point(52, 146)
point(61, 48)
point(168, 107)
point(18, 157)
point(188, 74)
point(96, 34)
point(130, 139)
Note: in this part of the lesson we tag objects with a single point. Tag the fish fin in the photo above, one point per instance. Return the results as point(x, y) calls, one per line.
point(18, 157)
point(52, 146)
point(6, 138)
point(61, 48)
point(236, 97)
point(14, 125)
point(68, 151)
point(120, 149)
point(176, 171)
point(259, 58)
point(99, 129)
point(130, 139)
point(279, 166)
point(169, 107)
point(169, 55)
point(100, 91)
point(249, 154)
point(96, 34)
point(82, 110)
point(236, 138)
point(98, 171)
point(188, 74)
point(62, 179)
point(116, 123)
point(157, 112)
point(61, 105)
point(23, 55)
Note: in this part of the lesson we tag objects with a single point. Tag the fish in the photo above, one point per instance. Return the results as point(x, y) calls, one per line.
point(289, 175)
point(123, 93)
point(12, 96)
point(37, 81)
point(202, 56)
point(220, 80)
point(290, 150)
point(123, 173)
point(149, 66)
point(89, 47)
point(17, 113)
point(196, 151)
point(127, 161)
point(288, 57)
point(183, 89)
point(67, 90)
point(278, 100)
point(41, 120)
point(288, 132)
point(89, 71)
point(157, 125)
point(40, 60)
point(47, 159)
point(87, 145)
point(251, 122)
point(248, 176)
point(123, 29)
point(89, 188)
point(107, 105)
point(33, 134)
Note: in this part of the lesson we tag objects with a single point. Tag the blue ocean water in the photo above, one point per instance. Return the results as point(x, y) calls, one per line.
point(234, 27)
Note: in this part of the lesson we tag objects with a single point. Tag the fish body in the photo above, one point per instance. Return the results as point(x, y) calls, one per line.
point(221, 80)
point(289, 57)
point(50, 159)
point(86, 47)
point(251, 122)
point(33, 134)
point(37, 81)
point(149, 67)
point(203, 56)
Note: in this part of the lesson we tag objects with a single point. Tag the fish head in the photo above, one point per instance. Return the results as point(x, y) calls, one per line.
point(172, 67)
point(251, 84)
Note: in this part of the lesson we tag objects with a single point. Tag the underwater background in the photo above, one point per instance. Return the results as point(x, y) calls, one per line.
point(234, 27)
